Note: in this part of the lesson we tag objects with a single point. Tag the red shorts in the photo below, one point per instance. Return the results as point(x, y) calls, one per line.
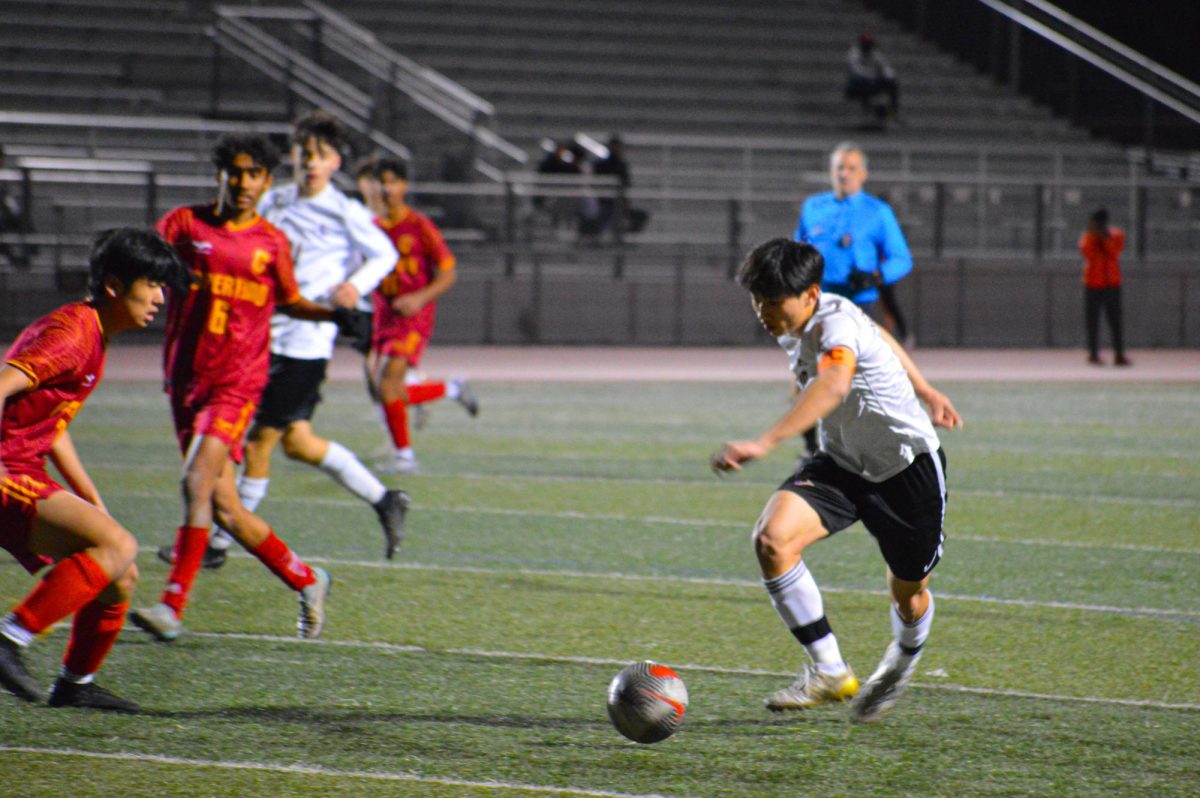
point(400, 337)
point(19, 495)
point(221, 415)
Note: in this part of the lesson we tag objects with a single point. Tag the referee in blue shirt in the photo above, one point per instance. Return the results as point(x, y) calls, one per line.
point(858, 236)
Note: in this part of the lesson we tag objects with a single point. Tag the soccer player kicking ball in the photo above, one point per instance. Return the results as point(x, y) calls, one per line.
point(46, 377)
point(880, 462)
point(215, 363)
point(405, 309)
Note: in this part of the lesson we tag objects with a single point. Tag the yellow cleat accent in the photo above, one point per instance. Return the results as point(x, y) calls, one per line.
point(813, 688)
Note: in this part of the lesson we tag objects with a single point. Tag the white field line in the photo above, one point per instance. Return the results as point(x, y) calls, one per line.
point(522, 655)
point(305, 770)
point(1155, 612)
point(1088, 498)
point(573, 515)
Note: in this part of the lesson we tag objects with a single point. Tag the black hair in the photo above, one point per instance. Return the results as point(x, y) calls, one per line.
point(131, 253)
point(780, 268)
point(256, 145)
point(394, 165)
point(322, 126)
point(365, 166)
point(1099, 217)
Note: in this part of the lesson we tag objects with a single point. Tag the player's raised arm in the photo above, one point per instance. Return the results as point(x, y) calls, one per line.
point(941, 410)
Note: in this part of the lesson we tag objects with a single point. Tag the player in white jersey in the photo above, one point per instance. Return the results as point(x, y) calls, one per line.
point(879, 462)
point(340, 257)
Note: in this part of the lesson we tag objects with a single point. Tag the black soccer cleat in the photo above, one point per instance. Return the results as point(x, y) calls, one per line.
point(89, 696)
point(392, 509)
point(13, 674)
point(213, 558)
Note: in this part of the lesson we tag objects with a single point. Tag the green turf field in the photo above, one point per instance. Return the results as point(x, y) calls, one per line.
point(574, 528)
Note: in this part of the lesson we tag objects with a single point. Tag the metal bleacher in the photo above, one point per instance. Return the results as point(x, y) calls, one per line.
point(108, 109)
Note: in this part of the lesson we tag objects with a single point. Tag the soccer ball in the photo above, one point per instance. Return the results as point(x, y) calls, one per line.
point(646, 702)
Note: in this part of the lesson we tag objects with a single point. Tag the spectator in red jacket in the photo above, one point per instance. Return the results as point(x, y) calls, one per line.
point(1101, 246)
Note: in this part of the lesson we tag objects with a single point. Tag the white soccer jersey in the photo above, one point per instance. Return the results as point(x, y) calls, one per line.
point(880, 427)
point(334, 240)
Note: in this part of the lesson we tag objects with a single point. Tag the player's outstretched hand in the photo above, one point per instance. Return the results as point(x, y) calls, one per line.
point(733, 454)
point(407, 305)
point(941, 410)
point(345, 296)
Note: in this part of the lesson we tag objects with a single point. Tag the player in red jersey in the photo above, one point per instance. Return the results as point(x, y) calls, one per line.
point(405, 308)
point(215, 363)
point(45, 378)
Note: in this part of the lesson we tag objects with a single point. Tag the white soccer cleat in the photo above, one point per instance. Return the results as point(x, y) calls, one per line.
point(813, 688)
point(403, 462)
point(885, 686)
point(312, 605)
point(160, 621)
point(466, 397)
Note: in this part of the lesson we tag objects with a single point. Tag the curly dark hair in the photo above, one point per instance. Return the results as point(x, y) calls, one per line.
point(257, 145)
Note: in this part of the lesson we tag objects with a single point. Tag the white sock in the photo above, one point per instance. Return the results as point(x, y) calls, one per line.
point(453, 389)
point(911, 636)
point(252, 491)
point(11, 628)
point(405, 453)
point(75, 678)
point(341, 464)
point(797, 599)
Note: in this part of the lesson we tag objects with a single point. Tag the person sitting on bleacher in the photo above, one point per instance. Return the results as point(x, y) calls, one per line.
point(871, 80)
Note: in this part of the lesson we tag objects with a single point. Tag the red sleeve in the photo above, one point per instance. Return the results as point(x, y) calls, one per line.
point(287, 292)
point(435, 245)
point(173, 225)
point(50, 348)
point(1116, 241)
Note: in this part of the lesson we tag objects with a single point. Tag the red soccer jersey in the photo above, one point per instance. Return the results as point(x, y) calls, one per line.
point(63, 353)
point(218, 332)
point(423, 253)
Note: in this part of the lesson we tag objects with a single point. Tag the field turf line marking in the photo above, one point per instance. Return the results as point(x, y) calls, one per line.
point(404, 648)
point(1154, 612)
point(1091, 498)
point(573, 515)
point(319, 771)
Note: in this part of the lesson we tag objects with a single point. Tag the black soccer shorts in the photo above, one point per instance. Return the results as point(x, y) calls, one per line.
point(292, 393)
point(904, 514)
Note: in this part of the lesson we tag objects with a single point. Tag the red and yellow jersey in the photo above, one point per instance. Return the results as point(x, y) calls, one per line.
point(63, 353)
point(219, 331)
point(423, 253)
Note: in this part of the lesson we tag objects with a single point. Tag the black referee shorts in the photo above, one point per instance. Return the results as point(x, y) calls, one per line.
point(292, 393)
point(904, 514)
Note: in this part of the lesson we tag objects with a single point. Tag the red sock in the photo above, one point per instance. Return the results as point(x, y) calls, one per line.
point(69, 585)
point(397, 421)
point(425, 392)
point(284, 563)
point(92, 636)
point(190, 542)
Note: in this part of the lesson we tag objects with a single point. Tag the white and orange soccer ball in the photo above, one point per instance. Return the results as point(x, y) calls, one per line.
point(646, 702)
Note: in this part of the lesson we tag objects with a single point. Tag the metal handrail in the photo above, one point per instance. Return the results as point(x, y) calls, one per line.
point(1172, 90)
point(298, 74)
point(467, 112)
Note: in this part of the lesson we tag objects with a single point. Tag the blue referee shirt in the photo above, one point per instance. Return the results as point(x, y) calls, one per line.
point(860, 233)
